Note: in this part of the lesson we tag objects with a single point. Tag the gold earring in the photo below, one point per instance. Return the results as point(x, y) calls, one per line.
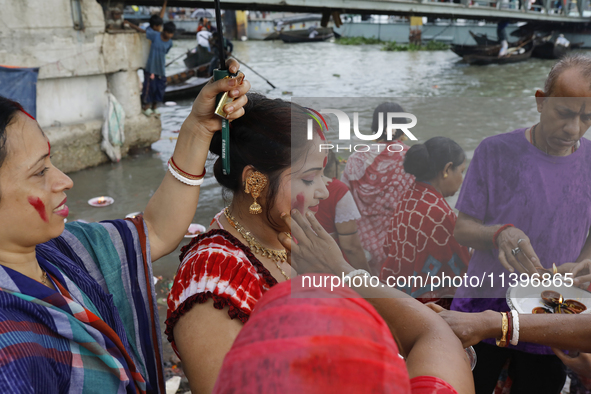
point(444, 176)
point(255, 184)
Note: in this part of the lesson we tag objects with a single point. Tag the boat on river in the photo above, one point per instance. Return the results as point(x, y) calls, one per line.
point(482, 39)
point(307, 35)
point(186, 89)
point(187, 83)
point(197, 56)
point(516, 54)
point(463, 50)
point(546, 45)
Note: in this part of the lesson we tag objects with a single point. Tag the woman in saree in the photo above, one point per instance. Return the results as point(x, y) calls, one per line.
point(377, 181)
point(420, 239)
point(225, 272)
point(78, 310)
point(338, 215)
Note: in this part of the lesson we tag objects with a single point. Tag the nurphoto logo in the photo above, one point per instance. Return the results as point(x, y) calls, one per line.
point(393, 123)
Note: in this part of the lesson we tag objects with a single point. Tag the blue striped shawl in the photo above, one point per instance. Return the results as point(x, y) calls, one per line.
point(47, 341)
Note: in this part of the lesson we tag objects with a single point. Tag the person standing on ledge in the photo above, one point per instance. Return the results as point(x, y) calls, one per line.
point(154, 84)
point(526, 204)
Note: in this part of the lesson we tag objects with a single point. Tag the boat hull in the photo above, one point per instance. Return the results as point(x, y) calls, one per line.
point(482, 60)
point(548, 50)
point(188, 89)
point(297, 36)
point(197, 56)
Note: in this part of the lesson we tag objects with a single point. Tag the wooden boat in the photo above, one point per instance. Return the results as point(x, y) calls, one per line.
point(294, 36)
point(516, 56)
point(482, 39)
point(187, 89)
point(549, 50)
point(186, 84)
point(463, 50)
point(272, 36)
point(549, 47)
point(197, 56)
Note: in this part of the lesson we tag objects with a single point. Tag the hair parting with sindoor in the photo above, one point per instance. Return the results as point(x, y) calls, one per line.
point(426, 161)
point(265, 137)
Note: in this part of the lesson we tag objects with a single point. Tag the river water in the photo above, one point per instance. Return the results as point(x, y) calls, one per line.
point(450, 98)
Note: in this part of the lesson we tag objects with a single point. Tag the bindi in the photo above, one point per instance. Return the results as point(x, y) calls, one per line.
point(49, 146)
point(39, 207)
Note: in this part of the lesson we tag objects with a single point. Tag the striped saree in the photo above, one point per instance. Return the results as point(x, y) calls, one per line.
point(99, 333)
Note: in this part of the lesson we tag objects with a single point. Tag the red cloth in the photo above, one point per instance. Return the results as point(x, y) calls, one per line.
point(293, 344)
point(377, 181)
point(310, 340)
point(216, 265)
point(430, 385)
point(327, 207)
point(420, 240)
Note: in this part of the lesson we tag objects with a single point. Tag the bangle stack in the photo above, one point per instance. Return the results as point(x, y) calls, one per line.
point(185, 177)
point(510, 327)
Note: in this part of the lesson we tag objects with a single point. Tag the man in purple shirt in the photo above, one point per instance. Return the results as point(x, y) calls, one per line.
point(526, 203)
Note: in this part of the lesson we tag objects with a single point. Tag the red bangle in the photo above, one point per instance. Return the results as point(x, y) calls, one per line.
point(498, 232)
point(510, 330)
point(186, 174)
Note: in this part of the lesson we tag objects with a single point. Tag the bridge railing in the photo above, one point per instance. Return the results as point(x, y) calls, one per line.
point(573, 8)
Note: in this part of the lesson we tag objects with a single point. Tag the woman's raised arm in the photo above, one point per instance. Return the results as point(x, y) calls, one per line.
point(172, 207)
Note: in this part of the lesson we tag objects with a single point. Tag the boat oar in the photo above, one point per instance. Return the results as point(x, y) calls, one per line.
point(250, 68)
point(176, 58)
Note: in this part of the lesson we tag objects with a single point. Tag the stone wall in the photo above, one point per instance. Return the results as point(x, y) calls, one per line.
point(76, 68)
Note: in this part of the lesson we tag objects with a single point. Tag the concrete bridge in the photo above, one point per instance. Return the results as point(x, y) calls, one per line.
point(570, 12)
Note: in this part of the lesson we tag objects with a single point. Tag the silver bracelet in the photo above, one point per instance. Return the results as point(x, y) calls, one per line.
point(354, 273)
point(515, 333)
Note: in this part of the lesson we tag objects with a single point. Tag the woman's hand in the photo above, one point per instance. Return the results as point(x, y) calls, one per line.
point(526, 260)
point(470, 328)
point(312, 249)
point(580, 363)
point(202, 113)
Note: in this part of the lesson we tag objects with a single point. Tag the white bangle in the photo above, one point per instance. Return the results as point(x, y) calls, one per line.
point(515, 333)
point(354, 273)
point(187, 181)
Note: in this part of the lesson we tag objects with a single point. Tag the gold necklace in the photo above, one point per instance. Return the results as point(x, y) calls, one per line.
point(278, 256)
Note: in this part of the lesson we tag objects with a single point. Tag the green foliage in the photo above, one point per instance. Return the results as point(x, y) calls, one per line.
point(430, 46)
point(436, 46)
point(358, 41)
